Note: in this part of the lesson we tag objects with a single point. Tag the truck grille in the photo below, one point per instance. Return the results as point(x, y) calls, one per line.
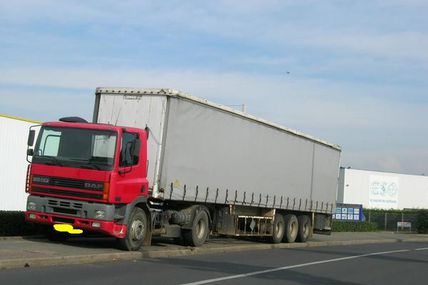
point(74, 183)
point(65, 182)
point(47, 185)
point(67, 193)
point(63, 220)
point(65, 204)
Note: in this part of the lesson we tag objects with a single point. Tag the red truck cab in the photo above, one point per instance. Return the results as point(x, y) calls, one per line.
point(91, 176)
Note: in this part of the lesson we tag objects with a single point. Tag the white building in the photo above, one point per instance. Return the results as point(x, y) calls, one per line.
point(382, 190)
point(13, 163)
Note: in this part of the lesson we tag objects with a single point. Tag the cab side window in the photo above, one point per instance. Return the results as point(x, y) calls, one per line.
point(130, 149)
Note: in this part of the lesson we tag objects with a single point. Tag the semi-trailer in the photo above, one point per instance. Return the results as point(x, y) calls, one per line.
point(162, 162)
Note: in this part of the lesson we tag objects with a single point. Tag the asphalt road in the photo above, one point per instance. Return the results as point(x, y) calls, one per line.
point(392, 263)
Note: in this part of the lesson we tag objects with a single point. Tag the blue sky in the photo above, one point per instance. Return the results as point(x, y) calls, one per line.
point(350, 72)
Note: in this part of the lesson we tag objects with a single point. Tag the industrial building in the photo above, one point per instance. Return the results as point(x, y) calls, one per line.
point(382, 190)
point(13, 164)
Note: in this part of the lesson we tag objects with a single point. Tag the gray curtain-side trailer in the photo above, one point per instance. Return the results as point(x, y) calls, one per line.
point(250, 174)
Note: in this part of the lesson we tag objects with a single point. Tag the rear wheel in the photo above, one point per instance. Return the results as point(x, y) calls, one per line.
point(291, 228)
point(304, 228)
point(136, 232)
point(278, 229)
point(200, 230)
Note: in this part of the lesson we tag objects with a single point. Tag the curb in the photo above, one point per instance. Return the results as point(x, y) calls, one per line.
point(144, 254)
point(67, 260)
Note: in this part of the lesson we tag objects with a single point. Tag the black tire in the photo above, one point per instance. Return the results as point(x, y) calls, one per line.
point(278, 229)
point(291, 228)
point(304, 228)
point(136, 232)
point(200, 230)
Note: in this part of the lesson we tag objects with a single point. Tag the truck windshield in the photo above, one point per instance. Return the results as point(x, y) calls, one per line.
point(73, 147)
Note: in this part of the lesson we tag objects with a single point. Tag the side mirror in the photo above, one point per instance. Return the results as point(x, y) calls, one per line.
point(147, 129)
point(30, 152)
point(31, 135)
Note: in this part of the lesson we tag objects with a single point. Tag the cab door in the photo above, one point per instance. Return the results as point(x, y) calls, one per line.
point(131, 179)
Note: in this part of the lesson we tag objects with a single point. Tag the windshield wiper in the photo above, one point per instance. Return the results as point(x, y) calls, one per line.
point(52, 160)
point(83, 163)
point(90, 166)
point(86, 163)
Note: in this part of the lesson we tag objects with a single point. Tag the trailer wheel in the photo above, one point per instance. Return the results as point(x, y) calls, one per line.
point(291, 228)
point(278, 229)
point(136, 232)
point(304, 228)
point(199, 232)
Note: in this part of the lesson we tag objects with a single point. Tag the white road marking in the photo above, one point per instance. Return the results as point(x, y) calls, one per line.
point(243, 275)
point(422, 248)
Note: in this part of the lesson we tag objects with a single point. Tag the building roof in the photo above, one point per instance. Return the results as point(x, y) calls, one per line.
point(19, 119)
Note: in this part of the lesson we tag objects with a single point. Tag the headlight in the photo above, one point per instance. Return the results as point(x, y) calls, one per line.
point(31, 206)
point(100, 214)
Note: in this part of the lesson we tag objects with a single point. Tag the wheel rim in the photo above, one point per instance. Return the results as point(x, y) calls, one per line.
point(200, 229)
point(293, 229)
point(305, 229)
point(137, 230)
point(279, 230)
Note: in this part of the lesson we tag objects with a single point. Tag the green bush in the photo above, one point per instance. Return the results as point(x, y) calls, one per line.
point(12, 223)
point(387, 219)
point(351, 226)
point(422, 221)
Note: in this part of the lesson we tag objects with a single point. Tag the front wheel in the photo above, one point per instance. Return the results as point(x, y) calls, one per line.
point(136, 232)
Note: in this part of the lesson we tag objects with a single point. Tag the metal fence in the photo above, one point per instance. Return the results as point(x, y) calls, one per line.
point(389, 220)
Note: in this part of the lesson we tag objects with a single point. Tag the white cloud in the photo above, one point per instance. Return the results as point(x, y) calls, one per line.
point(306, 102)
point(402, 45)
point(403, 3)
point(353, 113)
point(251, 21)
point(409, 160)
point(372, 130)
point(255, 22)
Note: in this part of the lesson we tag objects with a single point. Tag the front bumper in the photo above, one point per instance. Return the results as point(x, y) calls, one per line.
point(106, 227)
point(80, 214)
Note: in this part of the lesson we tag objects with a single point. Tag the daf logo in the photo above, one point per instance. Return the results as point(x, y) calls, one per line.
point(93, 185)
